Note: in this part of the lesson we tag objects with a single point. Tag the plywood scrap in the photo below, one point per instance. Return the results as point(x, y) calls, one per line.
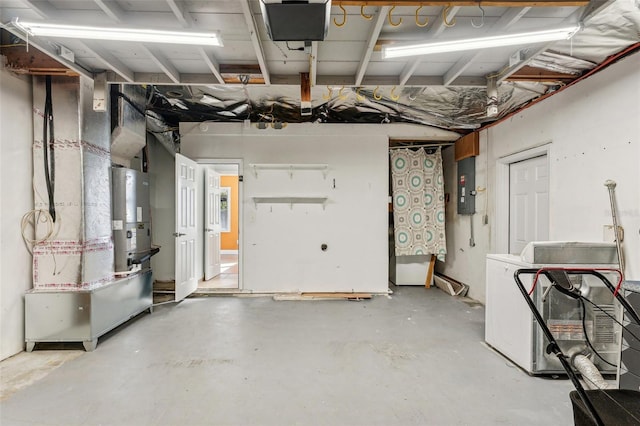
point(450, 286)
point(323, 296)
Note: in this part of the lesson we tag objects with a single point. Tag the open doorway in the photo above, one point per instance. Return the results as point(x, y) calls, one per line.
point(222, 227)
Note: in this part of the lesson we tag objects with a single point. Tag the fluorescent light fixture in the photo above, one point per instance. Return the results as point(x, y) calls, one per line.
point(417, 49)
point(118, 34)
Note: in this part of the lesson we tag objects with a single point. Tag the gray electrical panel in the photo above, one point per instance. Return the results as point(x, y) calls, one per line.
point(467, 185)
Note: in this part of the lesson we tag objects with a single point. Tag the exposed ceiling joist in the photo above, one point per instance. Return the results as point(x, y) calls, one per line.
point(434, 32)
point(111, 9)
point(313, 63)
point(408, 70)
point(42, 8)
point(33, 62)
point(50, 51)
point(183, 16)
point(508, 70)
point(528, 73)
point(110, 61)
point(158, 58)
point(186, 21)
point(507, 20)
point(371, 43)
point(386, 81)
point(212, 63)
point(255, 39)
point(594, 8)
point(242, 73)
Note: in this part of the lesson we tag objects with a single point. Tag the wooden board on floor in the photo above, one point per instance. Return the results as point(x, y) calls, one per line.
point(339, 295)
point(323, 296)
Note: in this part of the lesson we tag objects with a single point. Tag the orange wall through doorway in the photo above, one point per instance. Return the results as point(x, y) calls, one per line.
point(229, 240)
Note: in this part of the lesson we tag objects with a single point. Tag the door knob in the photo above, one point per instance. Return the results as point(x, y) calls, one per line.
point(178, 234)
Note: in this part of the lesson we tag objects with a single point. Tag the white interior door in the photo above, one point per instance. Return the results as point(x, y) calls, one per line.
point(528, 202)
point(212, 227)
point(186, 233)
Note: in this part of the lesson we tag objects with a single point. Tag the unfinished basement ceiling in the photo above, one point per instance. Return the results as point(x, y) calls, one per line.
point(350, 81)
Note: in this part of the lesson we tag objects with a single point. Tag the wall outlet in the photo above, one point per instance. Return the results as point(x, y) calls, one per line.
point(608, 234)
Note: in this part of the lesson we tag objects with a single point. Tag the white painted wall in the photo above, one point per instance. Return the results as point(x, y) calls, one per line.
point(594, 130)
point(16, 198)
point(281, 244)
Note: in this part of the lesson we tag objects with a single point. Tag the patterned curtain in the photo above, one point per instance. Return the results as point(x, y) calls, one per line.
point(418, 202)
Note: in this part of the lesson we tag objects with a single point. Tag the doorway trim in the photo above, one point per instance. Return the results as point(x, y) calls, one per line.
point(239, 163)
point(502, 189)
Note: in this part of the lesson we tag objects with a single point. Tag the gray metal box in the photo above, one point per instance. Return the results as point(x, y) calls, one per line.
point(131, 232)
point(467, 186)
point(85, 315)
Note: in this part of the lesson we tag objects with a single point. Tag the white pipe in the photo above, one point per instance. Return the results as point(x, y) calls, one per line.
point(611, 185)
point(590, 373)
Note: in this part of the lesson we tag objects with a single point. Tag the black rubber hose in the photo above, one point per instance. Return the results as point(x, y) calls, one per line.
point(48, 141)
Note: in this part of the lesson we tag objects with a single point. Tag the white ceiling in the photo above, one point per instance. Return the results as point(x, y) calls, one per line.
point(347, 59)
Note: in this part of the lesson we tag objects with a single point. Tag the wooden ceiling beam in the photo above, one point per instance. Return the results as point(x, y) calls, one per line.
point(33, 62)
point(371, 43)
point(255, 40)
point(42, 8)
point(433, 33)
point(484, 3)
point(111, 9)
point(313, 63)
point(507, 71)
point(528, 73)
point(505, 22)
point(186, 21)
point(109, 60)
point(162, 62)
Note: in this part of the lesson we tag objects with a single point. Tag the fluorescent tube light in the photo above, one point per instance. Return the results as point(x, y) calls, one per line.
point(118, 34)
point(416, 49)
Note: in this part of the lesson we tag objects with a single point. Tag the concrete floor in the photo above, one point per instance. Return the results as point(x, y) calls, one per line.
point(414, 358)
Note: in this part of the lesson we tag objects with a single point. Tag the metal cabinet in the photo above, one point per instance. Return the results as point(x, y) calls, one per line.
point(629, 373)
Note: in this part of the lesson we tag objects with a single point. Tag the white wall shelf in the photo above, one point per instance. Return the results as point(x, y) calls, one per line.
point(291, 200)
point(290, 168)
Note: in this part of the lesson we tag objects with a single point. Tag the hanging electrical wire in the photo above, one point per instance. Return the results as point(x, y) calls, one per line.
point(36, 217)
point(48, 143)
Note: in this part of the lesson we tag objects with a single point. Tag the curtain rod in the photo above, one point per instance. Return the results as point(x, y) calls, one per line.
point(430, 145)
